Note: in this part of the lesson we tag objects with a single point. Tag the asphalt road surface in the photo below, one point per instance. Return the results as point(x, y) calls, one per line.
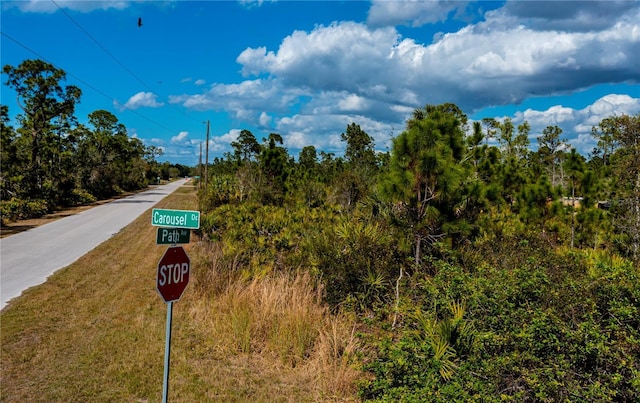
point(28, 258)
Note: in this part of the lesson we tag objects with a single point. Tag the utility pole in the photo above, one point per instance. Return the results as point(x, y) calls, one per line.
point(206, 165)
point(200, 167)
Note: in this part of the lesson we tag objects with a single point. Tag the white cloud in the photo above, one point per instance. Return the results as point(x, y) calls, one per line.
point(199, 82)
point(577, 123)
point(220, 144)
point(414, 13)
point(41, 6)
point(180, 138)
point(352, 103)
point(246, 100)
point(143, 99)
point(265, 119)
point(580, 16)
point(323, 131)
point(480, 65)
point(252, 3)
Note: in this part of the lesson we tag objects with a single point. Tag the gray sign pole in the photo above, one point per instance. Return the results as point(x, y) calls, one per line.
point(167, 353)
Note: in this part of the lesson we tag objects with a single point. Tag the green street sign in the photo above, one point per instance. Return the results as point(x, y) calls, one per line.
point(175, 218)
point(172, 236)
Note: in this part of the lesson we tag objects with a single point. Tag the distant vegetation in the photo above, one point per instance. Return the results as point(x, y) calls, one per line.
point(53, 161)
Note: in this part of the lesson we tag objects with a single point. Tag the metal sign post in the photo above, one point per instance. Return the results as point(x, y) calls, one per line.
point(172, 278)
point(167, 353)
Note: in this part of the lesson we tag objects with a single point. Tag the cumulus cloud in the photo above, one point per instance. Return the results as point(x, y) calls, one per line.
point(577, 123)
point(245, 100)
point(40, 6)
point(143, 99)
point(323, 131)
point(475, 67)
point(264, 120)
point(413, 13)
point(199, 82)
point(219, 144)
point(582, 16)
point(180, 138)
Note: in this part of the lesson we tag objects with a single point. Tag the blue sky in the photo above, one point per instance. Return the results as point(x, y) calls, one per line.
point(307, 69)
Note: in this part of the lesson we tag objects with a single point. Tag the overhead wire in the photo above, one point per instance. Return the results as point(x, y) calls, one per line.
point(111, 98)
point(104, 49)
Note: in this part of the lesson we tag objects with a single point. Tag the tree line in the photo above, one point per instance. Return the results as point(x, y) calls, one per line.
point(50, 160)
point(450, 182)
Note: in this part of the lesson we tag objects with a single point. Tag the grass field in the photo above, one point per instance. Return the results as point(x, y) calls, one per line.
point(95, 331)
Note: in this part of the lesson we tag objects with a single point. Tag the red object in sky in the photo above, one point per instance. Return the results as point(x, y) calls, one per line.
point(173, 273)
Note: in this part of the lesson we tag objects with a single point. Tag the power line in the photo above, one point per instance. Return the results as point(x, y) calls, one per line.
point(104, 49)
point(111, 98)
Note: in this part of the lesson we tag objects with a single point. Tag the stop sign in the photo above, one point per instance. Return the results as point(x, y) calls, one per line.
point(173, 273)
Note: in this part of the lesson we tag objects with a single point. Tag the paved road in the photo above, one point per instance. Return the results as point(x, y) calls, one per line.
point(28, 258)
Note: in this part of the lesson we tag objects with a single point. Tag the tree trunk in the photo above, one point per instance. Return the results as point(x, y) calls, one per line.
point(573, 214)
point(417, 251)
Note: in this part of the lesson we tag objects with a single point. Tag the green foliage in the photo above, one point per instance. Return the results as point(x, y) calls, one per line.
point(51, 157)
point(357, 259)
point(274, 170)
point(221, 190)
point(427, 173)
point(422, 363)
point(549, 326)
point(18, 209)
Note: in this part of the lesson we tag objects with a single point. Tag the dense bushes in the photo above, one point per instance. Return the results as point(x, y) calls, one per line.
point(560, 326)
point(509, 318)
point(15, 209)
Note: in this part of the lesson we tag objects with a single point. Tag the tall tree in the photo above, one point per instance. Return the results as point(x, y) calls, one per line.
point(246, 147)
point(10, 164)
point(245, 150)
point(606, 133)
point(111, 161)
point(274, 170)
point(427, 173)
point(308, 158)
point(360, 146)
point(550, 147)
point(48, 110)
point(575, 167)
point(513, 143)
point(361, 166)
point(625, 160)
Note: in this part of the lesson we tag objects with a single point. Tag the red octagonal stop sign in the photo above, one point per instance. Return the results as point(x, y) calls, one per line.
point(173, 273)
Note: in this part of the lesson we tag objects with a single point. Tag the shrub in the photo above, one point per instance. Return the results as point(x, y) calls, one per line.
point(549, 325)
point(19, 209)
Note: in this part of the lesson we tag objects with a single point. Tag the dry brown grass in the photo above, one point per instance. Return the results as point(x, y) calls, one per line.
point(95, 331)
point(280, 316)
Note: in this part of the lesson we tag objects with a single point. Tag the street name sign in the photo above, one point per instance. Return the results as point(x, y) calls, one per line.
point(175, 218)
point(172, 236)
